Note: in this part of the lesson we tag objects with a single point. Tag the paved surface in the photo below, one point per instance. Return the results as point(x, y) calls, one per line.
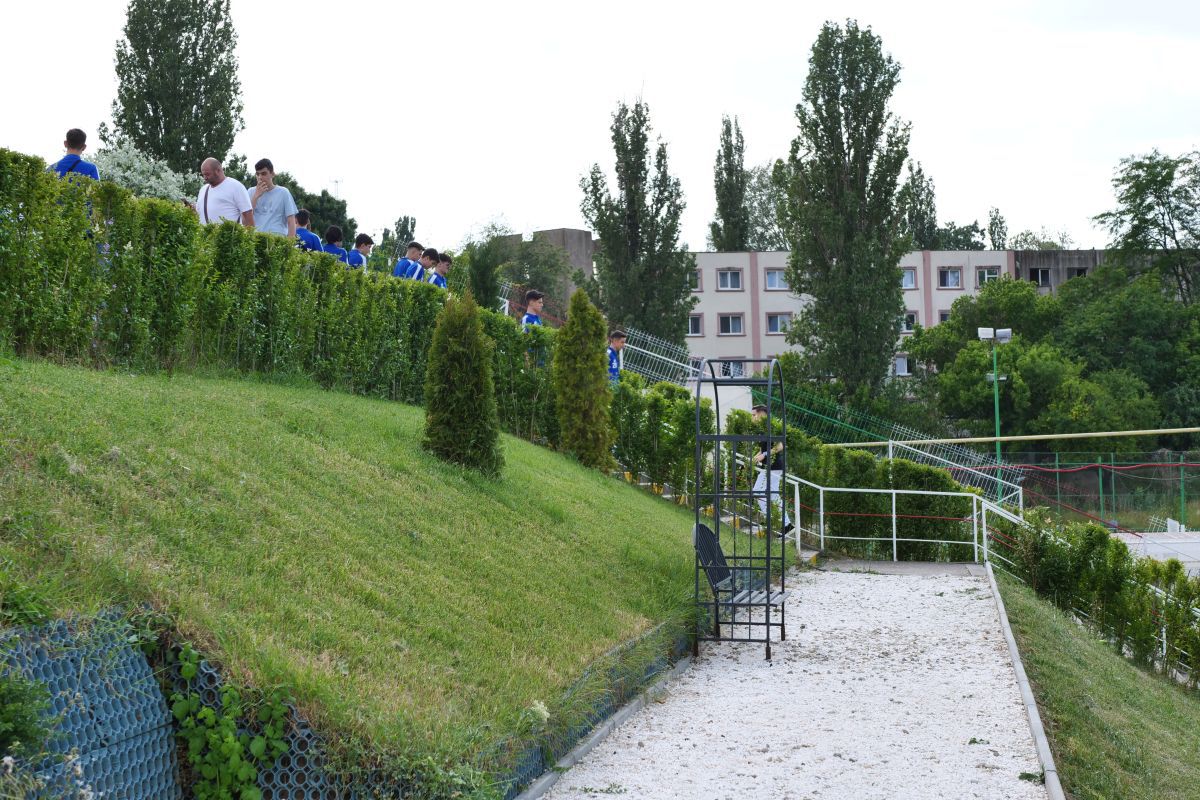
point(1161, 546)
point(896, 686)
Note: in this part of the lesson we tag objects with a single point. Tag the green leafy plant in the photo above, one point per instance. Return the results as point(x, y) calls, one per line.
point(23, 705)
point(581, 385)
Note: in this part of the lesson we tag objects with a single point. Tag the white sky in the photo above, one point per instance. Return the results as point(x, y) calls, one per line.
point(1027, 106)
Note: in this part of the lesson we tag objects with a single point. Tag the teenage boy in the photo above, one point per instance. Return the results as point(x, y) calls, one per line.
point(616, 343)
point(770, 472)
point(361, 252)
point(533, 308)
point(307, 240)
point(274, 208)
point(423, 265)
point(411, 254)
point(333, 243)
point(440, 270)
point(220, 199)
point(72, 163)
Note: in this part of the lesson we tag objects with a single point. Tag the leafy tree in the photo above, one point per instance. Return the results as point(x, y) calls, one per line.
point(730, 231)
point(918, 206)
point(392, 243)
point(763, 202)
point(997, 230)
point(484, 258)
point(1041, 239)
point(581, 387)
point(141, 173)
point(178, 94)
point(1157, 218)
point(641, 268)
point(841, 211)
point(959, 237)
point(461, 423)
point(539, 264)
point(325, 209)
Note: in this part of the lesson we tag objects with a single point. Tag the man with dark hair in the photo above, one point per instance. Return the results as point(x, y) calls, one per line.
point(423, 264)
point(220, 199)
point(333, 243)
point(770, 474)
point(274, 208)
point(72, 163)
point(440, 270)
point(533, 308)
point(404, 265)
point(616, 343)
point(307, 240)
point(361, 252)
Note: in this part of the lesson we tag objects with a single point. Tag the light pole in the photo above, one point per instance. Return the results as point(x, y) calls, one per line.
point(996, 336)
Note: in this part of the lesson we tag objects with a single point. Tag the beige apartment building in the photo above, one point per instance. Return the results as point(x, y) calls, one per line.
point(745, 305)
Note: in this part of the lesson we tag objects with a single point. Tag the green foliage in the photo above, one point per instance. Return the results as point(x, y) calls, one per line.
point(841, 212)
point(521, 374)
point(538, 263)
point(483, 266)
point(1040, 239)
point(997, 230)
point(763, 202)
point(641, 268)
point(178, 94)
point(461, 424)
point(655, 430)
point(581, 384)
point(730, 231)
point(959, 237)
point(918, 208)
point(23, 708)
point(325, 210)
point(226, 745)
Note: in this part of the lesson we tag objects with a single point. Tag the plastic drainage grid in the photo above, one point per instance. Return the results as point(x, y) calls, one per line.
point(113, 730)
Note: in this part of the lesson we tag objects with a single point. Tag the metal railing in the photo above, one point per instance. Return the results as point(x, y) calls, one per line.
point(993, 485)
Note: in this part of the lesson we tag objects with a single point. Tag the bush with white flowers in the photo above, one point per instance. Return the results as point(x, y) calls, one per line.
point(140, 173)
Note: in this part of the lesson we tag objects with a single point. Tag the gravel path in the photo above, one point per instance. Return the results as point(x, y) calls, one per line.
point(897, 686)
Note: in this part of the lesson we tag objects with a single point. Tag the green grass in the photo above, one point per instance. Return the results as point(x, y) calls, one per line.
point(1117, 732)
point(303, 538)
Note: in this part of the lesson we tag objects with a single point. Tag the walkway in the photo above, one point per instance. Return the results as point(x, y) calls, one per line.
point(889, 686)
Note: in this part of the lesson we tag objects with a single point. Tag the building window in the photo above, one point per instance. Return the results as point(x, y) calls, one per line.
point(1040, 276)
point(986, 275)
point(694, 281)
point(776, 280)
point(778, 323)
point(950, 277)
point(733, 369)
point(695, 325)
point(910, 322)
point(1079, 272)
point(731, 325)
point(943, 316)
point(729, 280)
point(908, 278)
point(902, 366)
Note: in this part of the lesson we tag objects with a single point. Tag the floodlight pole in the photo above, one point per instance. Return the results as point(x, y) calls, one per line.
point(996, 404)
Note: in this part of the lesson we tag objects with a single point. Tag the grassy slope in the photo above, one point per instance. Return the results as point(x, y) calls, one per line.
point(306, 538)
point(1116, 731)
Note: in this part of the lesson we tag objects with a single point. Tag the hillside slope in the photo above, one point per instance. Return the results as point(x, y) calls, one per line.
point(304, 538)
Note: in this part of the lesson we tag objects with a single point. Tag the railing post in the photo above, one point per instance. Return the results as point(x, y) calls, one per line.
point(895, 556)
point(985, 533)
point(890, 456)
point(822, 511)
point(975, 525)
point(796, 511)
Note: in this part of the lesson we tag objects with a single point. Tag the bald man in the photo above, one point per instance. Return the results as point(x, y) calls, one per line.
point(221, 199)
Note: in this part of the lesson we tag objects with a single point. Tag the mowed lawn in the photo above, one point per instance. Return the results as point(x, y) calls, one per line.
point(1117, 732)
point(304, 538)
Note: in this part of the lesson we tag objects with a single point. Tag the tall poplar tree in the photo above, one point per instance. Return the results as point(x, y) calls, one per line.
point(841, 212)
point(178, 95)
point(918, 209)
point(641, 269)
point(730, 231)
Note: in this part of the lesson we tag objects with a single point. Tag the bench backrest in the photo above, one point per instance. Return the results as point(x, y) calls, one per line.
point(712, 559)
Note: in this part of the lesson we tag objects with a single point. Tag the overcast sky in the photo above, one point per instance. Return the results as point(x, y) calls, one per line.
point(463, 113)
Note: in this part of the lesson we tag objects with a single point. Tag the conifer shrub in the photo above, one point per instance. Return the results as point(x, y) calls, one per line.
point(581, 385)
point(461, 424)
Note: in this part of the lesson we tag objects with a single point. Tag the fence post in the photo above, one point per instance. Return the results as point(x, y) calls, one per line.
point(822, 511)
point(895, 557)
point(796, 510)
point(985, 534)
point(1100, 480)
point(890, 456)
point(1182, 493)
point(975, 525)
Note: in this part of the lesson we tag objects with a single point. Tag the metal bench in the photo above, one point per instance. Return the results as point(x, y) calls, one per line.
point(735, 587)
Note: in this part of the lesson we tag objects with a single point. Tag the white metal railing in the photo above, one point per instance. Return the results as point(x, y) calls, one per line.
point(1006, 492)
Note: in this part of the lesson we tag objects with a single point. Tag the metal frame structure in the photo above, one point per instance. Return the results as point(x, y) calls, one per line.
point(747, 607)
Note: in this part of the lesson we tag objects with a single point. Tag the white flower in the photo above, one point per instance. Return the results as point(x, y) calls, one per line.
point(9, 765)
point(540, 711)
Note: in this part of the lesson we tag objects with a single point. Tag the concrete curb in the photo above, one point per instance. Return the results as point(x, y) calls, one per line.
point(1053, 786)
point(542, 785)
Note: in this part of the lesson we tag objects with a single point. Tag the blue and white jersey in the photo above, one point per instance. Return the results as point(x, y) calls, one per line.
point(402, 267)
point(308, 241)
point(436, 279)
point(355, 259)
point(530, 319)
point(334, 250)
point(71, 164)
point(416, 272)
point(614, 365)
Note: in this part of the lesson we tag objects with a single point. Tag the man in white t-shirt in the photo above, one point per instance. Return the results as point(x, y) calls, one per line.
point(221, 199)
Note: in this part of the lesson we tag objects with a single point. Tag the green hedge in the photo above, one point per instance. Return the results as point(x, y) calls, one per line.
point(90, 274)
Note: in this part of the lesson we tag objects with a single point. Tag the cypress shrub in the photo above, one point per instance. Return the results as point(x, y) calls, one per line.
point(628, 412)
point(461, 425)
point(581, 385)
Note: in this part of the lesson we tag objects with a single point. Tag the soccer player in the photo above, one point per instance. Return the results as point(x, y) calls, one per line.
point(411, 254)
point(616, 343)
point(333, 243)
point(72, 163)
point(533, 308)
point(307, 240)
point(438, 276)
point(771, 474)
point(362, 251)
point(423, 265)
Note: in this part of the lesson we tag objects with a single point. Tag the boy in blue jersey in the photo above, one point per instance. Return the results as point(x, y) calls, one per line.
point(72, 163)
point(362, 251)
point(418, 271)
point(616, 342)
point(306, 239)
point(438, 276)
point(333, 243)
point(533, 308)
point(411, 254)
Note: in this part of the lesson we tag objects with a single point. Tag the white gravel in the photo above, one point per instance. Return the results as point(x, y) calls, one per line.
point(897, 686)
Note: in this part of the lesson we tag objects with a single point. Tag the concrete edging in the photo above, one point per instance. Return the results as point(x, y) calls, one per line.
point(1049, 770)
point(601, 732)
